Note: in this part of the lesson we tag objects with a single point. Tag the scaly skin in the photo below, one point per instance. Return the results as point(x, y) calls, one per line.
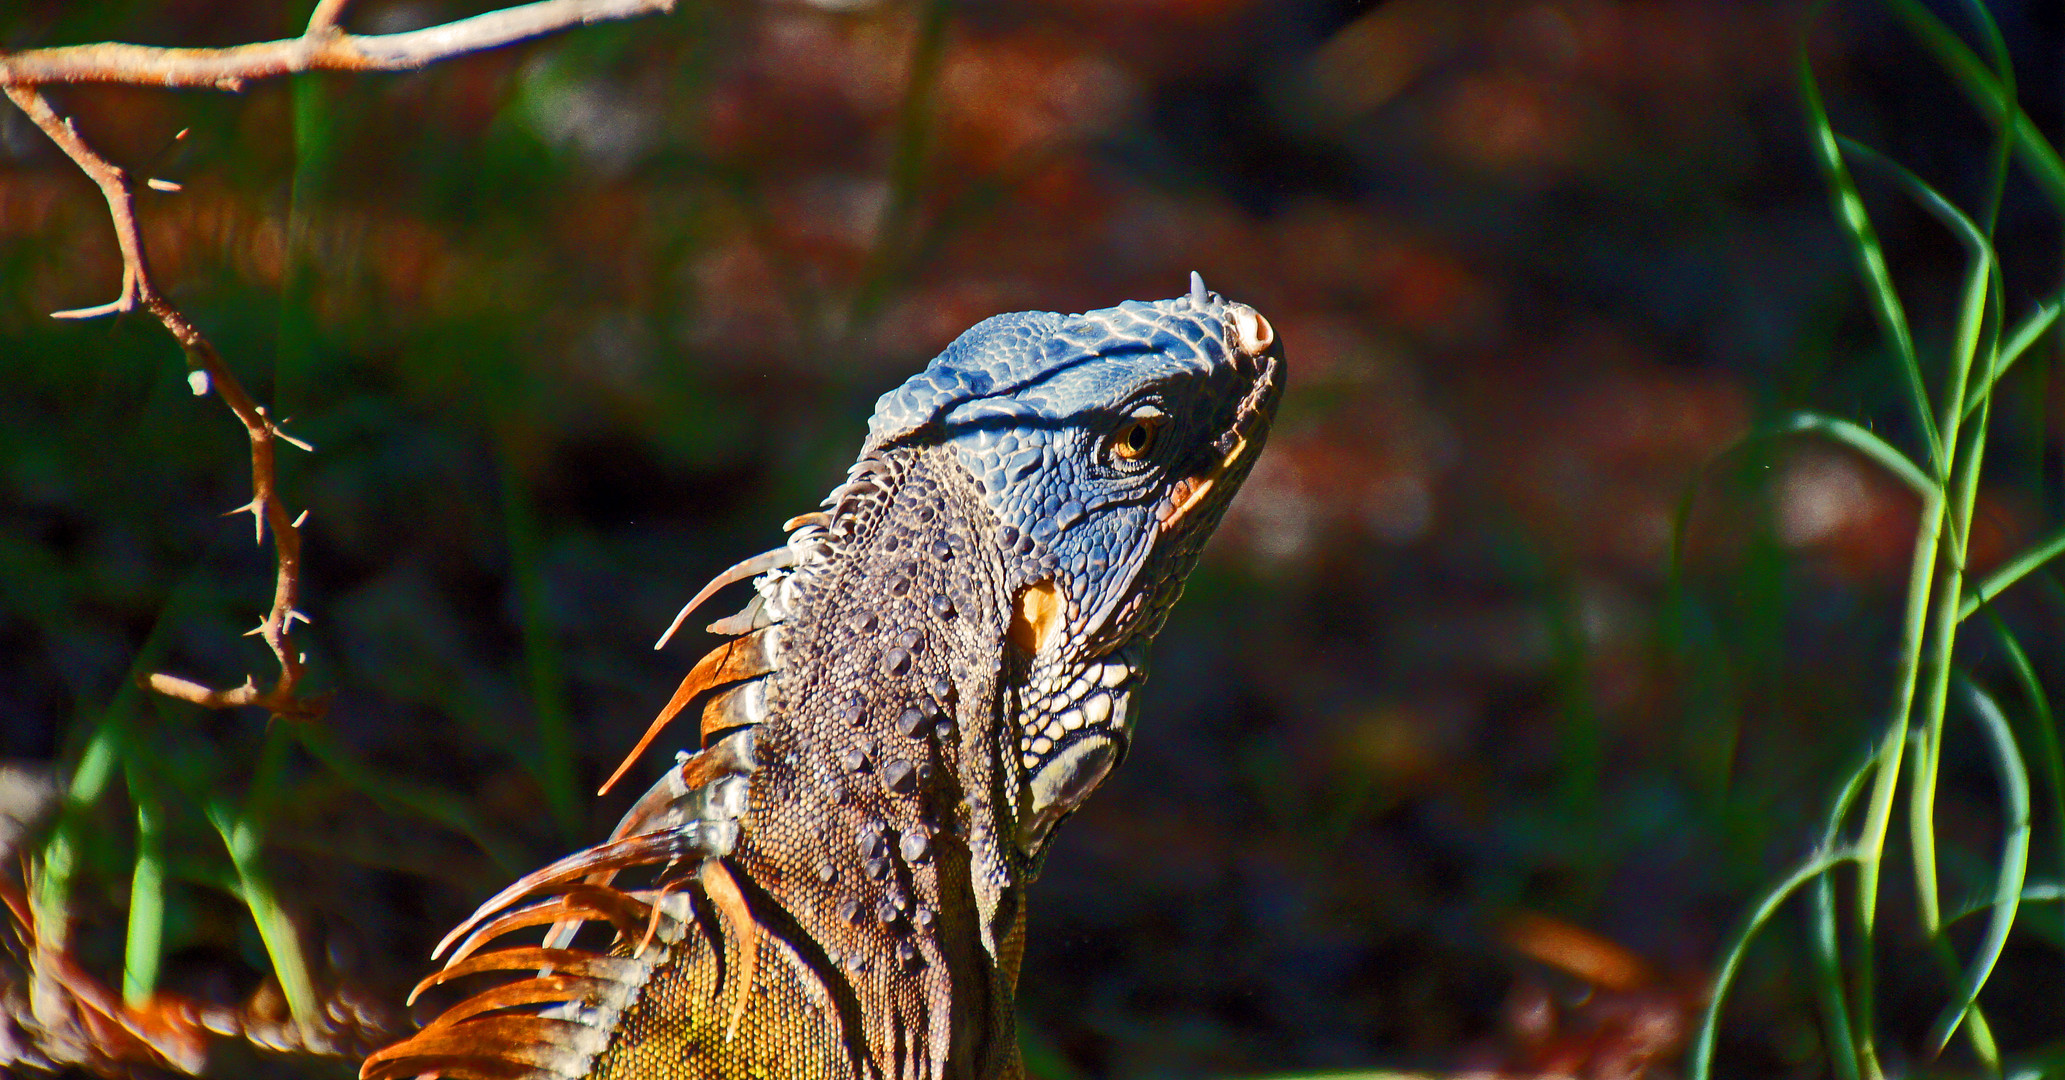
point(937, 669)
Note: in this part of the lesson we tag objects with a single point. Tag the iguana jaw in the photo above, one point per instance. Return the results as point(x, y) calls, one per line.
point(1081, 717)
point(1075, 716)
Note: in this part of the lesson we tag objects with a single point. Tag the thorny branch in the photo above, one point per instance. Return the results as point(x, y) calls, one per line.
point(265, 505)
point(324, 46)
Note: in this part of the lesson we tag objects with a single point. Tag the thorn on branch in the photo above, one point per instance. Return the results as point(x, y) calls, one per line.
point(322, 22)
point(257, 512)
point(112, 307)
point(156, 184)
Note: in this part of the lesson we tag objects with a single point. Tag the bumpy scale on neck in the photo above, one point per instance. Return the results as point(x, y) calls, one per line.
point(888, 913)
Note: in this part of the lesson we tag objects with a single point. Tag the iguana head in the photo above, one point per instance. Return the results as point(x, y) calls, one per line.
point(1107, 446)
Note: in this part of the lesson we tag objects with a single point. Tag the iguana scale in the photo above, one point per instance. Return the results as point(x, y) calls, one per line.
point(935, 670)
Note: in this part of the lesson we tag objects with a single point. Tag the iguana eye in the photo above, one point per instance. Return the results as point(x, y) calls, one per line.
point(1136, 439)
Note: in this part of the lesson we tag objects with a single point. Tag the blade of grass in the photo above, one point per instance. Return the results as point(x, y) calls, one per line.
point(275, 928)
point(1870, 256)
point(2021, 566)
point(2035, 152)
point(144, 944)
point(552, 758)
point(1864, 442)
point(59, 859)
point(1842, 1043)
point(1892, 746)
point(1978, 1032)
point(2004, 116)
point(438, 807)
point(2018, 342)
point(1963, 470)
point(297, 337)
point(1702, 1057)
point(1886, 307)
point(1921, 578)
point(915, 117)
point(2042, 892)
point(2007, 893)
point(1980, 273)
point(2044, 723)
point(1850, 434)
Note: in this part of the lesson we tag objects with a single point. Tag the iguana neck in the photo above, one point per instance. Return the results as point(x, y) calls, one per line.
point(878, 820)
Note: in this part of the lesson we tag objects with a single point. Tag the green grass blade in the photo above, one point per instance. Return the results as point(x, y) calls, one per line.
point(2019, 567)
point(1921, 579)
point(1983, 269)
point(1870, 255)
point(2032, 328)
point(1857, 438)
point(2014, 779)
point(2044, 723)
point(275, 927)
point(917, 118)
point(2004, 113)
point(1984, 89)
point(552, 758)
point(59, 859)
point(1971, 329)
point(438, 807)
point(2042, 892)
point(1700, 1063)
point(2018, 342)
point(144, 944)
point(1968, 231)
point(1842, 1042)
point(1921, 822)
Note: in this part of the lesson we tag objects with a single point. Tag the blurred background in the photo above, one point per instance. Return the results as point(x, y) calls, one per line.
point(1446, 763)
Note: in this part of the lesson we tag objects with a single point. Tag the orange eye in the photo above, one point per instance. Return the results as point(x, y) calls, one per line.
point(1136, 439)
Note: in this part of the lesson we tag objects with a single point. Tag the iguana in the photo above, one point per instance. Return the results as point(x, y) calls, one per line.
point(935, 670)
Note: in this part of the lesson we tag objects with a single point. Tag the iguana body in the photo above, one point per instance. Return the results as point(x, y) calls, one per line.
point(935, 671)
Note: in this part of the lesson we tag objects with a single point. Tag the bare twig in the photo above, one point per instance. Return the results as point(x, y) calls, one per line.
point(323, 48)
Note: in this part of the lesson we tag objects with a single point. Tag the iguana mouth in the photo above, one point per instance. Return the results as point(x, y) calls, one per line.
point(1255, 343)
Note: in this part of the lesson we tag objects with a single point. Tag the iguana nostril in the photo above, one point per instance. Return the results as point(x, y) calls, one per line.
point(1255, 333)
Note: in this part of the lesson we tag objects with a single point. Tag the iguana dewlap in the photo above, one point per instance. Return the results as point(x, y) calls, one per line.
point(937, 669)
